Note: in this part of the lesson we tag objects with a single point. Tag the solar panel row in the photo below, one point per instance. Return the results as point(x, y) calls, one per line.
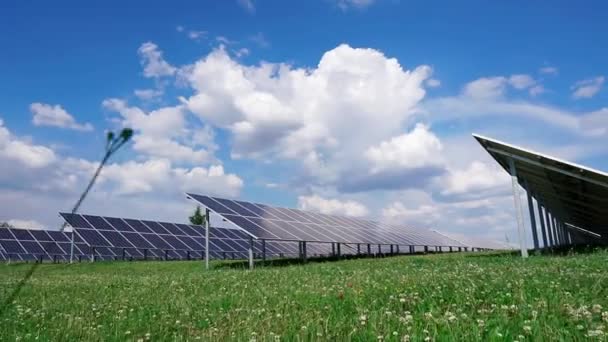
point(272, 223)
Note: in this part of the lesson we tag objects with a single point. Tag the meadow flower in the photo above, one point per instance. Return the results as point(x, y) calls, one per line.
point(527, 329)
point(596, 308)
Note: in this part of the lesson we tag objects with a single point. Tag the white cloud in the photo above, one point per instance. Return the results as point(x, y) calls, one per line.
point(197, 35)
point(486, 88)
point(321, 117)
point(242, 52)
point(151, 58)
point(596, 121)
point(49, 115)
point(360, 4)
point(332, 206)
point(247, 5)
point(476, 178)
point(26, 154)
point(521, 81)
point(548, 70)
point(162, 133)
point(458, 108)
point(159, 176)
point(433, 83)
point(26, 224)
point(398, 213)
point(587, 88)
point(416, 149)
point(536, 90)
point(148, 94)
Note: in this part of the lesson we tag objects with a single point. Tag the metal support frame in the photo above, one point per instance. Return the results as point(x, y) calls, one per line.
point(426, 249)
point(124, 254)
point(541, 218)
point(369, 249)
point(358, 248)
point(518, 211)
point(263, 250)
point(532, 218)
point(92, 254)
point(460, 249)
point(379, 250)
point(338, 249)
point(397, 246)
point(333, 249)
point(72, 245)
point(304, 252)
point(250, 253)
point(207, 227)
point(549, 228)
point(555, 237)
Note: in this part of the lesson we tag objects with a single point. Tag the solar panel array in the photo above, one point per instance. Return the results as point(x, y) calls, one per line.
point(178, 241)
point(283, 224)
point(26, 245)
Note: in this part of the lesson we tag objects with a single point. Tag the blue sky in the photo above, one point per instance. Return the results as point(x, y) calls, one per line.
point(358, 107)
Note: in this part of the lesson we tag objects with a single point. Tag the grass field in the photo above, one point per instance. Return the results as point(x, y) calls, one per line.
point(458, 297)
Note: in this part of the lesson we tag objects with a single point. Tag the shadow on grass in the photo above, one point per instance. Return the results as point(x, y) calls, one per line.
point(283, 262)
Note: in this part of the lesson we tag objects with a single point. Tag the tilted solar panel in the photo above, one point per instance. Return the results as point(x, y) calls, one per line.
point(282, 224)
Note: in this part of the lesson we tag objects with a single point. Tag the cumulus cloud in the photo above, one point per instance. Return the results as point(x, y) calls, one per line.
point(55, 115)
point(586, 89)
point(478, 178)
point(321, 117)
point(416, 149)
point(158, 132)
point(26, 224)
point(332, 206)
point(158, 175)
point(151, 58)
point(13, 150)
point(397, 212)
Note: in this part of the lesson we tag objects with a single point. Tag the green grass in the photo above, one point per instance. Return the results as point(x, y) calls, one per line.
point(437, 297)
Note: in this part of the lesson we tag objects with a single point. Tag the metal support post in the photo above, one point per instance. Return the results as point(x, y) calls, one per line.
point(542, 223)
point(72, 245)
point(250, 253)
point(532, 218)
point(304, 252)
point(426, 249)
point(333, 249)
point(207, 227)
point(264, 250)
point(338, 249)
point(556, 238)
point(518, 211)
point(358, 248)
point(369, 249)
point(550, 228)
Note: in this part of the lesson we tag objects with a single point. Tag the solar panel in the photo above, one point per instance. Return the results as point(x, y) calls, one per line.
point(165, 239)
point(282, 224)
